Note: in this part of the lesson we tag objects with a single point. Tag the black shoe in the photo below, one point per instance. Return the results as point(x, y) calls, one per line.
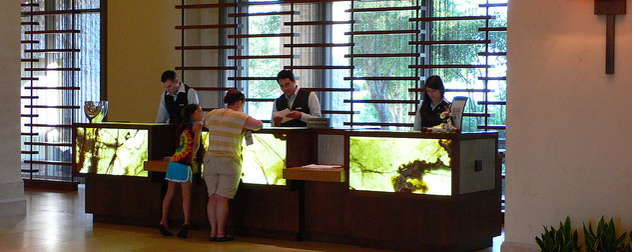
point(225, 238)
point(164, 231)
point(212, 238)
point(184, 231)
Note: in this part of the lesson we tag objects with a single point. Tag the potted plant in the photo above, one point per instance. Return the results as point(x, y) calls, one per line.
point(605, 239)
point(563, 239)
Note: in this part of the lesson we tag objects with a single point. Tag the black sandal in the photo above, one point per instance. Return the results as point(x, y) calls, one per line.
point(184, 231)
point(164, 231)
point(225, 238)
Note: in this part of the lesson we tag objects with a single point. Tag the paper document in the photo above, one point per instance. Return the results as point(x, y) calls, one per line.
point(315, 166)
point(283, 114)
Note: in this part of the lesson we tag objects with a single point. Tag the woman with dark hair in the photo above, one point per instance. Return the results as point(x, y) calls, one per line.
point(179, 169)
point(433, 104)
point(223, 160)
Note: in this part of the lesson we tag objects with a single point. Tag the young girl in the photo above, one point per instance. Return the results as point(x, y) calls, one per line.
point(179, 170)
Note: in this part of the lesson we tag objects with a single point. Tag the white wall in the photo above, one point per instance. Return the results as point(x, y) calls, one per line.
point(569, 142)
point(12, 201)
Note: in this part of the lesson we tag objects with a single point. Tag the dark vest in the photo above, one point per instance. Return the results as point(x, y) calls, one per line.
point(433, 118)
point(300, 104)
point(175, 107)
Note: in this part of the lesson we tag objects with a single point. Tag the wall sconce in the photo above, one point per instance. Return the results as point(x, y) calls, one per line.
point(609, 8)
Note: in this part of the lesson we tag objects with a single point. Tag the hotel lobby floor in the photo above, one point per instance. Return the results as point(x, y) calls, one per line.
point(56, 221)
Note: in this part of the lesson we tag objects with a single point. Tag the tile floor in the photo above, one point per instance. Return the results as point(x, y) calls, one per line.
point(56, 221)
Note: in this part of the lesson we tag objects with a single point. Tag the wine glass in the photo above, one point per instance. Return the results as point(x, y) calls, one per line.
point(95, 111)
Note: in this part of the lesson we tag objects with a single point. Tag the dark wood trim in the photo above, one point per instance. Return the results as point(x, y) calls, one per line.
point(52, 50)
point(213, 88)
point(48, 144)
point(47, 162)
point(383, 78)
point(330, 89)
point(382, 55)
point(319, 23)
point(59, 12)
point(338, 112)
point(264, 57)
point(450, 42)
point(320, 45)
point(492, 5)
point(275, 13)
point(47, 125)
point(492, 54)
point(214, 68)
point(260, 99)
point(492, 127)
point(56, 88)
point(251, 78)
point(264, 35)
point(393, 32)
point(479, 114)
point(493, 78)
point(199, 27)
point(474, 90)
point(378, 124)
point(52, 69)
point(448, 66)
point(383, 101)
point(207, 47)
point(406, 8)
point(52, 106)
point(205, 6)
point(430, 19)
point(50, 185)
point(52, 31)
point(318, 67)
point(492, 103)
point(493, 29)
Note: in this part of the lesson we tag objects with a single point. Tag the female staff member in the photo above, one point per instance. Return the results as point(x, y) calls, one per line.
point(222, 161)
point(433, 104)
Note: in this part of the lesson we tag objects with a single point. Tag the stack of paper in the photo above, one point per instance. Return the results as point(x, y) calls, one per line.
point(315, 166)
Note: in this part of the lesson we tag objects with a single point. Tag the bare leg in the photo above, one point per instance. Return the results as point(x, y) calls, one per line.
point(186, 201)
point(211, 209)
point(166, 203)
point(221, 215)
point(186, 208)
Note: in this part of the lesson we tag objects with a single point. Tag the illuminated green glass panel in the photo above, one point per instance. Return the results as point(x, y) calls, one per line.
point(112, 151)
point(415, 165)
point(263, 161)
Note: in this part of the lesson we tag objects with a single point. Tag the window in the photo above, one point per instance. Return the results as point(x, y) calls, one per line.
point(60, 69)
point(366, 60)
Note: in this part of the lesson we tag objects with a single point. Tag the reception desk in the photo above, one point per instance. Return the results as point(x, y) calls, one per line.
point(397, 190)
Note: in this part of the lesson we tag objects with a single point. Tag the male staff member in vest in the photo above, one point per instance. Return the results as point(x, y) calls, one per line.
point(176, 96)
point(302, 103)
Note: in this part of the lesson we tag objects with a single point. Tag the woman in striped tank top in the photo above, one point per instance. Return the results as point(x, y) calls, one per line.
point(223, 160)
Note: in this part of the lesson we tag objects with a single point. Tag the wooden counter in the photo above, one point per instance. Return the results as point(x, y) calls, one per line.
point(323, 175)
point(342, 205)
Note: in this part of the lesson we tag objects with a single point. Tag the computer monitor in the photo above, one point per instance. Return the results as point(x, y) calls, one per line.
point(458, 105)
